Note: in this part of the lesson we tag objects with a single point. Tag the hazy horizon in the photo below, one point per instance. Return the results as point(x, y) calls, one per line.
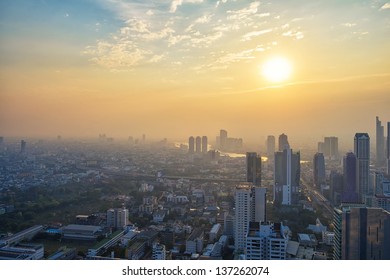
point(192, 67)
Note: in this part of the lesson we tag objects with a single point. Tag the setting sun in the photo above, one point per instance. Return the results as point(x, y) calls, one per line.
point(276, 70)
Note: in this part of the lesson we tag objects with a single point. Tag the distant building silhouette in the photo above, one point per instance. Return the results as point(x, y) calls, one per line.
point(362, 152)
point(270, 147)
point(350, 192)
point(380, 143)
point(388, 148)
point(286, 177)
point(283, 142)
point(191, 145)
point(253, 168)
point(204, 144)
point(198, 145)
point(331, 148)
point(319, 169)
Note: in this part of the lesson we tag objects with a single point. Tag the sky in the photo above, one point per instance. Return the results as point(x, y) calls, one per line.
point(175, 68)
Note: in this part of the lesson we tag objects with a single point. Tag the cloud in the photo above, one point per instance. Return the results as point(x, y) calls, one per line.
point(242, 13)
point(248, 36)
point(385, 6)
point(176, 3)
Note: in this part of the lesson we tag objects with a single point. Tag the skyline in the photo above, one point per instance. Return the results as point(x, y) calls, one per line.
point(191, 67)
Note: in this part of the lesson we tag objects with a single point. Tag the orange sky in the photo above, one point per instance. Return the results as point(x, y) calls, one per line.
point(179, 68)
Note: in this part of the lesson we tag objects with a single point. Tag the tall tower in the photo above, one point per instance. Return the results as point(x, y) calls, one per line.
point(242, 198)
point(380, 143)
point(364, 233)
point(270, 147)
point(350, 191)
point(250, 206)
point(283, 142)
point(223, 135)
point(198, 144)
point(253, 168)
point(204, 144)
point(319, 169)
point(191, 145)
point(331, 147)
point(388, 148)
point(286, 176)
point(362, 152)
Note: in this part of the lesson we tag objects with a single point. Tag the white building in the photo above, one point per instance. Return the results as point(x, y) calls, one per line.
point(215, 232)
point(159, 252)
point(242, 216)
point(266, 242)
point(118, 217)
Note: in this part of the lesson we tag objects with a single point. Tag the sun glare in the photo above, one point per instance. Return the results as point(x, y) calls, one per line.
point(277, 69)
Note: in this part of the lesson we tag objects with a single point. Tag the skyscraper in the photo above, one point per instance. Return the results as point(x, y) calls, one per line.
point(331, 147)
point(388, 148)
point(287, 175)
point(250, 206)
point(198, 144)
point(258, 204)
point(204, 144)
point(242, 198)
point(270, 147)
point(283, 142)
point(362, 233)
point(223, 135)
point(191, 145)
point(350, 191)
point(253, 168)
point(362, 152)
point(319, 169)
point(380, 143)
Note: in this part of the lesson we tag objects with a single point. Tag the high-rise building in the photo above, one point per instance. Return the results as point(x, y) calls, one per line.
point(258, 204)
point(22, 146)
point(204, 144)
point(362, 152)
point(388, 148)
point(223, 135)
point(198, 144)
point(321, 147)
point(336, 183)
point(191, 145)
point(361, 233)
point(253, 168)
point(331, 148)
point(350, 191)
point(283, 142)
point(380, 143)
point(250, 206)
point(319, 169)
point(242, 198)
point(1, 140)
point(117, 218)
point(287, 176)
point(266, 242)
point(270, 147)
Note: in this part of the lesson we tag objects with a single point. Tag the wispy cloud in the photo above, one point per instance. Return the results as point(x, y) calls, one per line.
point(385, 6)
point(250, 35)
point(176, 3)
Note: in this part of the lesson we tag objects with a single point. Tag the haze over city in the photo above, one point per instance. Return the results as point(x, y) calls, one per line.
point(179, 68)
